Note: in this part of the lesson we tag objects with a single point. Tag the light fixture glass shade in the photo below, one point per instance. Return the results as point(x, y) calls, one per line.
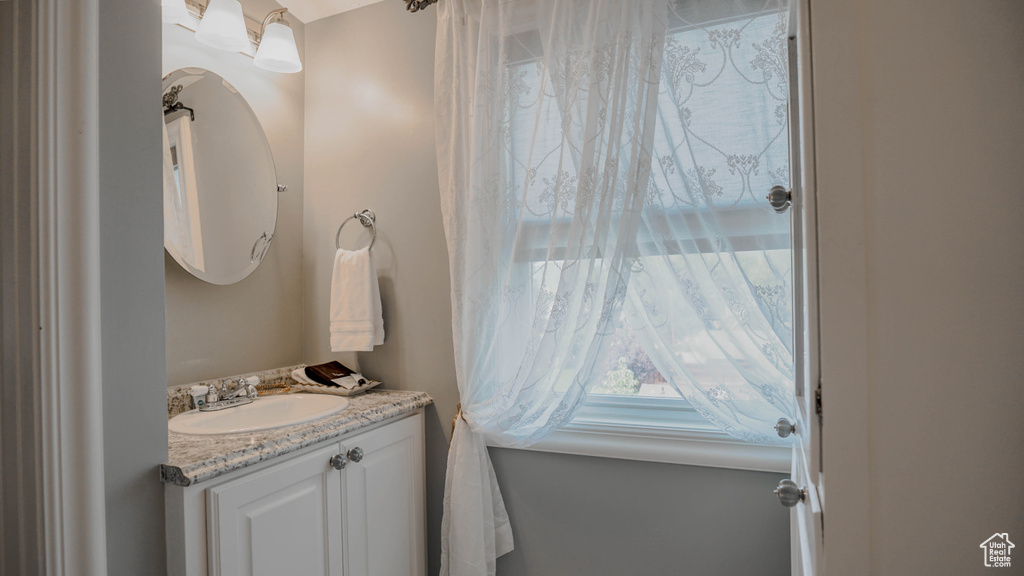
point(277, 51)
point(174, 11)
point(223, 26)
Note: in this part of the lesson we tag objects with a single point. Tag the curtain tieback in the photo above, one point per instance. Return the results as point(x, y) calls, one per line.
point(458, 414)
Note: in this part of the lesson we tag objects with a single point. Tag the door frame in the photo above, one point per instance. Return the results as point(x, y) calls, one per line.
point(835, 30)
point(806, 517)
point(56, 50)
point(835, 160)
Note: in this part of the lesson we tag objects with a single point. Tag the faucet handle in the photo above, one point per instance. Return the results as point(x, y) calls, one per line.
point(248, 385)
point(245, 382)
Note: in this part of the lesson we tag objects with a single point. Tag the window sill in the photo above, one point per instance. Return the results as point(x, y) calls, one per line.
point(605, 429)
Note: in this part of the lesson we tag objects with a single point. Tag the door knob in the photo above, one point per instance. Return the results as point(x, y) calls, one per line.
point(780, 198)
point(355, 454)
point(789, 493)
point(338, 461)
point(784, 427)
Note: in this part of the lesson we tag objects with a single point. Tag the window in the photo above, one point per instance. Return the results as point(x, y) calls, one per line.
point(720, 143)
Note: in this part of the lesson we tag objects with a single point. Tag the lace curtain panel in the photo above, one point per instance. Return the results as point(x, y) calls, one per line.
point(604, 163)
point(710, 294)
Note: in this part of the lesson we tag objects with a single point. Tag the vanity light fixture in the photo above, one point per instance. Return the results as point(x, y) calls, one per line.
point(277, 51)
point(223, 26)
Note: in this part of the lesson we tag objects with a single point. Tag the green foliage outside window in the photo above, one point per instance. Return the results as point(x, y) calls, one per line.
point(621, 380)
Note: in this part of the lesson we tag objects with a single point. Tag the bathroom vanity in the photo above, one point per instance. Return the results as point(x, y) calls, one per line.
point(338, 496)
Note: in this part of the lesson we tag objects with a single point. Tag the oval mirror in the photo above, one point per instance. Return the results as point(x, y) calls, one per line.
point(220, 185)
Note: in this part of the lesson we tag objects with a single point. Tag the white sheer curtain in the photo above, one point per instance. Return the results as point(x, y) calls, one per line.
point(711, 289)
point(545, 118)
point(550, 117)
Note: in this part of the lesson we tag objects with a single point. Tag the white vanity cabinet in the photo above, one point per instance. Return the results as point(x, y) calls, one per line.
point(298, 515)
point(280, 520)
point(384, 502)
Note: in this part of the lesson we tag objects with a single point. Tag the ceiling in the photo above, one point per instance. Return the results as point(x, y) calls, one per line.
point(310, 10)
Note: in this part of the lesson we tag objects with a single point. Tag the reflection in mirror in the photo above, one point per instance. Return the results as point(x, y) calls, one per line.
point(220, 186)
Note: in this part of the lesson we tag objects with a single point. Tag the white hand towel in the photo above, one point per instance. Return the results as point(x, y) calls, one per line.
point(356, 321)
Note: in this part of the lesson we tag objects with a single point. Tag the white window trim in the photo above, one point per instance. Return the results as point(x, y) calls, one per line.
point(658, 430)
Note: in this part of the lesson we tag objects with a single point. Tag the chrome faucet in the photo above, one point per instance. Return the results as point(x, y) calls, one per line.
point(243, 391)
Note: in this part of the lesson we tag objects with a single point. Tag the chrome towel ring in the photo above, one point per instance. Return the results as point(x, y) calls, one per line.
point(366, 218)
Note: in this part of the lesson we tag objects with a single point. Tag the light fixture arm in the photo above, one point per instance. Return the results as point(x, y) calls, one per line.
point(274, 16)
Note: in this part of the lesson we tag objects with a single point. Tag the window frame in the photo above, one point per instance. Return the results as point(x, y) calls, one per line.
point(659, 429)
point(636, 428)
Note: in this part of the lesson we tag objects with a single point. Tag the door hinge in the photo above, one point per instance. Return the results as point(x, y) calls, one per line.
point(817, 400)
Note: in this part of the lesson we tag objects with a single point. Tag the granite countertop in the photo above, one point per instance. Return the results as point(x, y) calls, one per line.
point(194, 459)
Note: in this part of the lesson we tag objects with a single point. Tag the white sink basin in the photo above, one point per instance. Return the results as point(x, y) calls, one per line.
point(263, 414)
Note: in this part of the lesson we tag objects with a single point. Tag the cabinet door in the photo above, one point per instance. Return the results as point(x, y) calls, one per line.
point(384, 508)
point(281, 520)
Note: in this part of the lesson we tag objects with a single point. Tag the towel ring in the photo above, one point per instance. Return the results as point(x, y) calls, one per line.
point(367, 219)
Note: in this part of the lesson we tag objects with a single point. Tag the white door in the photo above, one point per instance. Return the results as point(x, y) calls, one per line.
point(384, 501)
point(806, 517)
point(279, 521)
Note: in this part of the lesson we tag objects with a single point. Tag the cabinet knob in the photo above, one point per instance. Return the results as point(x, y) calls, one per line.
point(780, 199)
point(338, 461)
point(355, 454)
point(784, 427)
point(790, 494)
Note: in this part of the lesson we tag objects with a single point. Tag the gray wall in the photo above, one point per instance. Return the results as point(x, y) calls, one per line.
point(605, 517)
point(255, 324)
point(370, 144)
point(132, 285)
